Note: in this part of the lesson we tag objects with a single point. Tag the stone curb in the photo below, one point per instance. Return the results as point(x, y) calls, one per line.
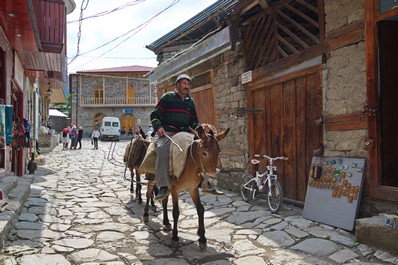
point(16, 191)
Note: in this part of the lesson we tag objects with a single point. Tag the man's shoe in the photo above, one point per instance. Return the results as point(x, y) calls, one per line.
point(163, 192)
point(214, 191)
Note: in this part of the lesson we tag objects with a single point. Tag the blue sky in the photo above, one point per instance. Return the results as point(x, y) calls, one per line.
point(129, 49)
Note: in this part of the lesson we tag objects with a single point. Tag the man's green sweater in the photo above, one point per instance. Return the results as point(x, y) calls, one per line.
point(173, 114)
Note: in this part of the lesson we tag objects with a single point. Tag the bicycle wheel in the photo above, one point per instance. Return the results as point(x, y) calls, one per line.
point(247, 187)
point(275, 196)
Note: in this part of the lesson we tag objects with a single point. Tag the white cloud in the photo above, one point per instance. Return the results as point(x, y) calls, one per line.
point(98, 31)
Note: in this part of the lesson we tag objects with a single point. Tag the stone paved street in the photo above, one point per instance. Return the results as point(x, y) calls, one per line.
point(80, 211)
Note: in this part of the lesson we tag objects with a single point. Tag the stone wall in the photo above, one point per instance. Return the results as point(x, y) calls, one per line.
point(344, 82)
point(345, 93)
point(339, 13)
point(114, 88)
point(231, 95)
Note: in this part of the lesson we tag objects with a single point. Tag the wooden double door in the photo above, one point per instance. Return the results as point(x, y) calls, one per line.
point(285, 119)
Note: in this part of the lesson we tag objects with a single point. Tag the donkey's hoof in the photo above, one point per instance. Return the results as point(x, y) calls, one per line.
point(174, 244)
point(167, 227)
point(146, 219)
point(203, 246)
point(154, 208)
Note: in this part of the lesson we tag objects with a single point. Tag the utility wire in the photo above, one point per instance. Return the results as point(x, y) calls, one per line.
point(79, 34)
point(107, 12)
point(122, 58)
point(138, 28)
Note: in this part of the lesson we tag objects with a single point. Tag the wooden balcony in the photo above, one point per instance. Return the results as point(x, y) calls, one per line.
point(119, 102)
point(51, 24)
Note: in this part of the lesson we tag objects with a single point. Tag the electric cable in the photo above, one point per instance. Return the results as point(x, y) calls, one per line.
point(107, 12)
point(79, 33)
point(138, 29)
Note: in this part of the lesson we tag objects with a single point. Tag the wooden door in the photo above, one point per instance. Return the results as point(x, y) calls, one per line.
point(283, 122)
point(127, 122)
point(204, 101)
point(203, 94)
point(388, 94)
point(130, 95)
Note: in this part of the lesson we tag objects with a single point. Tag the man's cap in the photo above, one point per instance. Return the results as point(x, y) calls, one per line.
point(183, 76)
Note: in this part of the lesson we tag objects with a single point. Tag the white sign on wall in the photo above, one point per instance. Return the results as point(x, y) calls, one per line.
point(246, 77)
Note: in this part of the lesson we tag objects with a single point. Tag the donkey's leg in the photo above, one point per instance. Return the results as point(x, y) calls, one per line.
point(155, 192)
point(200, 210)
point(166, 221)
point(138, 195)
point(151, 181)
point(149, 198)
point(132, 180)
point(176, 215)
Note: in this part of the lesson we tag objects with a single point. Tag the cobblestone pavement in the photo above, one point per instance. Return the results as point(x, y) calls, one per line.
point(80, 211)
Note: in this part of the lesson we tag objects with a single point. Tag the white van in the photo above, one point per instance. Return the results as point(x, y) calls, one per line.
point(110, 128)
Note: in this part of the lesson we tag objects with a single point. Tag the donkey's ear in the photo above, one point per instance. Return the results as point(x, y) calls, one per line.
point(221, 135)
point(201, 133)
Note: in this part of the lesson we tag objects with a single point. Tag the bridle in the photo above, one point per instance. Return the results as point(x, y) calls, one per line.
point(199, 163)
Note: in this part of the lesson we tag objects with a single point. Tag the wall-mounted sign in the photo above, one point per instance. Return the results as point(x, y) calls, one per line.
point(128, 111)
point(246, 77)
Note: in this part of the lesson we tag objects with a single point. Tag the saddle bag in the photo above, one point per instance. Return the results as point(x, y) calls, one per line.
point(135, 153)
point(149, 162)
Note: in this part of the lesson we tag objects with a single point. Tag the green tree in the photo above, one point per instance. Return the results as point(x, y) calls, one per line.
point(64, 107)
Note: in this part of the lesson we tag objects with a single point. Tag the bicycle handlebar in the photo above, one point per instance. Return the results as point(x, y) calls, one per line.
point(271, 159)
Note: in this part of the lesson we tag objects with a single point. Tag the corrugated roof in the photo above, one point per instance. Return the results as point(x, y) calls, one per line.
point(121, 69)
point(197, 27)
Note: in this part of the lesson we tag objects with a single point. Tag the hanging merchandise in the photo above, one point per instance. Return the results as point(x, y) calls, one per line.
point(27, 126)
point(8, 124)
point(19, 139)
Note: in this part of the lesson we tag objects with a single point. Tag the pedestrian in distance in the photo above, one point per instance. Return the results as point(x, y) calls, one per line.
point(65, 138)
point(94, 137)
point(49, 123)
point(175, 112)
point(73, 137)
point(80, 137)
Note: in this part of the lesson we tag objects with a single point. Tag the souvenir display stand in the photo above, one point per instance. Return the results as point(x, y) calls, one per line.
point(334, 191)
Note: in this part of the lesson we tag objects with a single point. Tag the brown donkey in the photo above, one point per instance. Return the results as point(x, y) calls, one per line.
point(202, 159)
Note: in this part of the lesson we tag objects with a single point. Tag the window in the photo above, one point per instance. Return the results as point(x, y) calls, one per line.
point(99, 95)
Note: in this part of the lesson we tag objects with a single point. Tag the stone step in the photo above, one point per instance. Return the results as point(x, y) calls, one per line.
point(14, 191)
point(374, 232)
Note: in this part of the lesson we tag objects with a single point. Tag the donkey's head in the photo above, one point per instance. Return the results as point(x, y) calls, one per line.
point(209, 150)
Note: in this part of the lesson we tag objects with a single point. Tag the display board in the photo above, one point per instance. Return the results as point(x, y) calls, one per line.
point(334, 191)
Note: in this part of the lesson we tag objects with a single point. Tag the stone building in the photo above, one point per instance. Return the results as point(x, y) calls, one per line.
point(121, 92)
point(297, 78)
point(33, 73)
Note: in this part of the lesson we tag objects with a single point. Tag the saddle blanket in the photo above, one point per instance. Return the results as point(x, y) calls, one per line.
point(177, 157)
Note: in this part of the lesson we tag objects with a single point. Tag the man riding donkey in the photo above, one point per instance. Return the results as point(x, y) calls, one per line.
point(175, 112)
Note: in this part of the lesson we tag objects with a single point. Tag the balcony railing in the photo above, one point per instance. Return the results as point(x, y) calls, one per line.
point(137, 101)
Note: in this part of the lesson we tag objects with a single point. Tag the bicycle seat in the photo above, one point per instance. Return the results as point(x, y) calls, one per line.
point(255, 161)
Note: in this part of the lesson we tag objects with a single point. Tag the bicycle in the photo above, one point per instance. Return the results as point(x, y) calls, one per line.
point(251, 185)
